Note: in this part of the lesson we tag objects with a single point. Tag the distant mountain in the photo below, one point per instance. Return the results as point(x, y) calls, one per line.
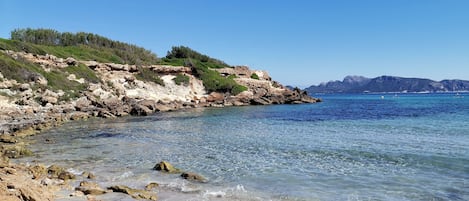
point(360, 84)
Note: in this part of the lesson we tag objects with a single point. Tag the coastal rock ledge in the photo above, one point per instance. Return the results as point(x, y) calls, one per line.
point(111, 90)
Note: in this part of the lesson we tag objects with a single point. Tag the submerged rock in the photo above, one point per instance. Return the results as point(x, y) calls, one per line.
point(88, 175)
point(165, 166)
point(193, 177)
point(135, 193)
point(151, 186)
point(65, 175)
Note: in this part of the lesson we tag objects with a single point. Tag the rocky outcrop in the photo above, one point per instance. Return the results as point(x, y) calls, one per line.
point(135, 193)
point(261, 89)
point(90, 188)
point(28, 108)
point(193, 177)
point(165, 166)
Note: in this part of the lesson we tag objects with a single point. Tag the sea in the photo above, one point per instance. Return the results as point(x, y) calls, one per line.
point(349, 147)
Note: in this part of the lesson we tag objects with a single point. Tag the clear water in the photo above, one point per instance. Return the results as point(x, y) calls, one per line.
point(350, 147)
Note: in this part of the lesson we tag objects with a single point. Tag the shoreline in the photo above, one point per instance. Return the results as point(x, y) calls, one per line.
point(30, 108)
point(51, 187)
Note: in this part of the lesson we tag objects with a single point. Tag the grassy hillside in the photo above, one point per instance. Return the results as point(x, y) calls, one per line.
point(87, 46)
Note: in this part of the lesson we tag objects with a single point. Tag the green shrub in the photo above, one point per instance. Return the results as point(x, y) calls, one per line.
point(255, 76)
point(232, 76)
point(238, 89)
point(81, 45)
point(181, 79)
point(82, 71)
point(146, 74)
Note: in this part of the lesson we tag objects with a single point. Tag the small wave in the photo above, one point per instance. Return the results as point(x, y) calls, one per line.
point(123, 176)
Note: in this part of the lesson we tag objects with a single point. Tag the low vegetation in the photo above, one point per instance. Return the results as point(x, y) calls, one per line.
point(23, 71)
point(88, 46)
point(181, 79)
point(255, 76)
point(202, 67)
point(146, 74)
point(81, 45)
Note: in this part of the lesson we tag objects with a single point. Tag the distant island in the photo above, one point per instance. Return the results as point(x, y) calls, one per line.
point(388, 84)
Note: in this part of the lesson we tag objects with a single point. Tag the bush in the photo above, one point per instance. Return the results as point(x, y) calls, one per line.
point(182, 52)
point(255, 76)
point(146, 74)
point(83, 45)
point(181, 79)
point(238, 89)
point(82, 71)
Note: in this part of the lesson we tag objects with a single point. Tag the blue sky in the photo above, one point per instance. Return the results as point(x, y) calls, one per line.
point(299, 42)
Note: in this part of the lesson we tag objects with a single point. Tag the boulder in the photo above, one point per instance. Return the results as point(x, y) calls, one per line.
point(140, 110)
point(38, 171)
point(90, 188)
point(193, 177)
point(151, 186)
point(48, 99)
point(65, 175)
point(17, 150)
point(71, 61)
point(165, 166)
point(88, 175)
point(8, 139)
point(55, 170)
point(215, 97)
point(4, 161)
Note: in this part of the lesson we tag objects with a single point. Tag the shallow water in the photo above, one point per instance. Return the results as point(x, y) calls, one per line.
point(350, 147)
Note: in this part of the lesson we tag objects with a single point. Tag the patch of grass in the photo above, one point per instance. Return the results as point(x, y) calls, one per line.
point(172, 62)
point(213, 81)
point(145, 74)
point(233, 76)
point(23, 71)
point(19, 46)
point(82, 71)
point(254, 76)
point(238, 89)
point(181, 79)
point(83, 52)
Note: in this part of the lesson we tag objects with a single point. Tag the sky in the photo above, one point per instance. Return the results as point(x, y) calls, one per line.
point(300, 43)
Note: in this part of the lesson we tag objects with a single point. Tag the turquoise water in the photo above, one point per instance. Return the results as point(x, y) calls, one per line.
point(350, 147)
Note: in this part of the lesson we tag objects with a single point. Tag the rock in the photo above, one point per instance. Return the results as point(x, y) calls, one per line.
point(65, 175)
point(140, 110)
point(91, 64)
point(88, 175)
point(135, 193)
point(82, 103)
point(24, 87)
point(216, 97)
point(193, 177)
point(15, 150)
point(9, 170)
point(4, 161)
point(151, 186)
point(90, 188)
point(48, 99)
point(165, 166)
point(79, 115)
point(71, 61)
point(38, 171)
point(8, 139)
point(55, 170)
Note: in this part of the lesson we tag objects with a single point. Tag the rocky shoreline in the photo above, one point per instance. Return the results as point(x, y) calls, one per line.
point(29, 108)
